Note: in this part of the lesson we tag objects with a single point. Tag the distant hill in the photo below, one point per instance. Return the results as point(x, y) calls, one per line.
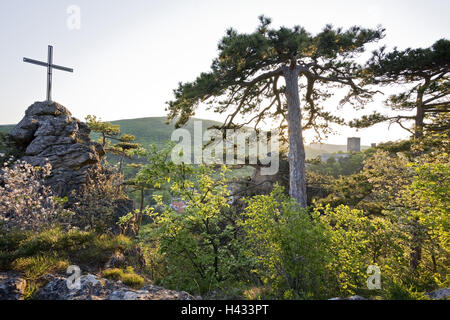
point(154, 130)
point(6, 128)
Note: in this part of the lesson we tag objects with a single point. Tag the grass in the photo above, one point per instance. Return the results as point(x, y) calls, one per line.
point(35, 267)
point(127, 276)
point(53, 250)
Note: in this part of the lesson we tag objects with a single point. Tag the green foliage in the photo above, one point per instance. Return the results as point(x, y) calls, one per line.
point(127, 276)
point(85, 247)
point(356, 241)
point(244, 82)
point(8, 149)
point(106, 129)
point(53, 250)
point(336, 167)
point(285, 243)
point(249, 66)
point(425, 74)
point(97, 200)
point(379, 216)
point(380, 179)
point(398, 291)
point(407, 198)
point(35, 267)
point(126, 147)
point(156, 264)
point(200, 246)
point(153, 176)
point(426, 222)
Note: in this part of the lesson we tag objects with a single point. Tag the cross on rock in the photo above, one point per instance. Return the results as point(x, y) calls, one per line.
point(50, 66)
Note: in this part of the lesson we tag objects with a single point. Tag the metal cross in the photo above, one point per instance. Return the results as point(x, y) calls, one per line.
point(49, 64)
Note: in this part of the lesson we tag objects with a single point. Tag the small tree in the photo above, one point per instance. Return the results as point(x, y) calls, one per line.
point(287, 246)
point(106, 129)
point(246, 79)
point(154, 175)
point(96, 201)
point(201, 245)
point(126, 147)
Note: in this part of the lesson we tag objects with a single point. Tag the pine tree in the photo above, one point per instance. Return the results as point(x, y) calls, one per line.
point(106, 129)
point(246, 80)
point(425, 73)
point(125, 148)
point(126, 145)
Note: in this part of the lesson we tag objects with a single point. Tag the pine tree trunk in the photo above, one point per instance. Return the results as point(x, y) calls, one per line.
point(416, 245)
point(297, 178)
point(420, 113)
point(141, 210)
point(418, 128)
point(415, 254)
point(122, 156)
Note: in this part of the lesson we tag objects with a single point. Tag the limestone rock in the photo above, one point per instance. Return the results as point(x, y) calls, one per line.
point(349, 298)
point(95, 288)
point(12, 286)
point(356, 298)
point(440, 294)
point(117, 260)
point(49, 133)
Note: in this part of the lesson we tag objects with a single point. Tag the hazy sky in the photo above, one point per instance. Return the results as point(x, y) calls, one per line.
point(128, 56)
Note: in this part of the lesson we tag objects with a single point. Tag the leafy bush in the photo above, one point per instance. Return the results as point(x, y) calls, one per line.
point(113, 274)
point(287, 245)
point(200, 246)
point(9, 151)
point(26, 203)
point(396, 290)
point(356, 241)
point(96, 201)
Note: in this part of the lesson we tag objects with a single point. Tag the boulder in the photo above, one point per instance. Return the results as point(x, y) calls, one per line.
point(12, 286)
point(440, 294)
point(95, 288)
point(49, 133)
point(116, 260)
point(349, 298)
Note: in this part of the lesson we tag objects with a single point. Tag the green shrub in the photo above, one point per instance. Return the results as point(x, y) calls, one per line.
point(127, 276)
point(133, 280)
point(113, 274)
point(287, 246)
point(396, 290)
point(201, 248)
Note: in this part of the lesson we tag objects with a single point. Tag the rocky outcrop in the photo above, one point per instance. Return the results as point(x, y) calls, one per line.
point(12, 286)
point(95, 288)
point(49, 133)
point(349, 298)
point(440, 294)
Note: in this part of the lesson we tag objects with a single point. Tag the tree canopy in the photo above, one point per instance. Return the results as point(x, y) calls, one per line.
point(425, 72)
point(245, 78)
